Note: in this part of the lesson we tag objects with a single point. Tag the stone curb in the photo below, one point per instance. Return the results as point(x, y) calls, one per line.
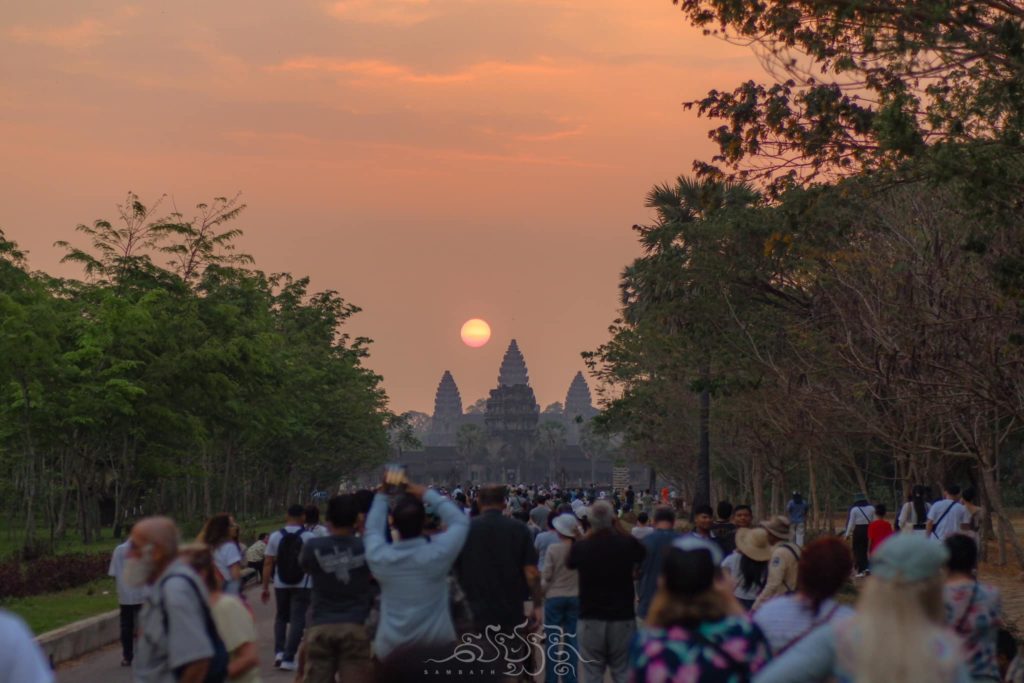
point(81, 638)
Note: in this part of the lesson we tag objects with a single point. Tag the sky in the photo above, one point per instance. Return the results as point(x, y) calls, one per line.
point(431, 160)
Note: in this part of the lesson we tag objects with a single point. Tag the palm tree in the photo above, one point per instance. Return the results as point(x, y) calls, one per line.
point(659, 288)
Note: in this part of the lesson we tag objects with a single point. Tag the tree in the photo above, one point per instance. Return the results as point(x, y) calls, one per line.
point(864, 85)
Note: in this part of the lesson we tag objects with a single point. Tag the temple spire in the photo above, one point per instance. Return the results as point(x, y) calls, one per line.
point(448, 401)
point(578, 401)
point(513, 368)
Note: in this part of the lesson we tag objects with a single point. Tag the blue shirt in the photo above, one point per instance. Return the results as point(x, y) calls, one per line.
point(413, 576)
point(797, 512)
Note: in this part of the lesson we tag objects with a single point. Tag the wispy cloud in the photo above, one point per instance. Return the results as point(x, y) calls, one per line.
point(396, 12)
point(86, 33)
point(373, 69)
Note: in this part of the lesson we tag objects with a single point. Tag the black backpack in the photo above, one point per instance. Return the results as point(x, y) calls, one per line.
point(218, 671)
point(289, 570)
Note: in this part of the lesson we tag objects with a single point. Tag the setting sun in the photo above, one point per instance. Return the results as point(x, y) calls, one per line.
point(476, 333)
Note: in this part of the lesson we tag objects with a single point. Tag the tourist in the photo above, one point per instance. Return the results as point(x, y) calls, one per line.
point(497, 567)
point(606, 561)
point(973, 609)
point(946, 517)
point(312, 513)
point(784, 563)
point(860, 515)
point(695, 630)
point(21, 660)
point(655, 546)
point(227, 559)
point(256, 554)
point(291, 586)
point(641, 529)
point(336, 644)
point(561, 601)
point(703, 519)
point(178, 641)
point(897, 633)
point(824, 568)
point(974, 515)
point(546, 538)
point(748, 565)
point(743, 517)
point(796, 510)
point(878, 530)
point(538, 523)
point(630, 499)
point(914, 514)
point(129, 598)
point(233, 619)
point(412, 571)
point(723, 528)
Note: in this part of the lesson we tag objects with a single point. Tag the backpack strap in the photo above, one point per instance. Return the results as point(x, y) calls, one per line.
point(935, 528)
point(807, 631)
point(796, 556)
point(211, 627)
point(967, 610)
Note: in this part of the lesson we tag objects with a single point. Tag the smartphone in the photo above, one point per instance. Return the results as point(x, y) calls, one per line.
point(395, 478)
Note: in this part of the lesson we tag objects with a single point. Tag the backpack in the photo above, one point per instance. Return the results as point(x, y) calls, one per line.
point(218, 670)
point(288, 551)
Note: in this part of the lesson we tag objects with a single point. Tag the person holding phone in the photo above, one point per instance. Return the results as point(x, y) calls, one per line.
point(413, 571)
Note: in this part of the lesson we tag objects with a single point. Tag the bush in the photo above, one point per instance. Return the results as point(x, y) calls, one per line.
point(50, 574)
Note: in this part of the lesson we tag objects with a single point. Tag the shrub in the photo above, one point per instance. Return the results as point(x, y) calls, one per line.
point(50, 574)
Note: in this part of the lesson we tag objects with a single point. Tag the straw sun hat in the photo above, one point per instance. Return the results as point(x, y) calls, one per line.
point(754, 544)
point(565, 524)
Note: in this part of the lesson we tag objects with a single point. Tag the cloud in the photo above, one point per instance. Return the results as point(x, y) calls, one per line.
point(86, 33)
point(373, 69)
point(396, 12)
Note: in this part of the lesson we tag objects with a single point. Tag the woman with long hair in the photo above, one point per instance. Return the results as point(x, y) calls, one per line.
point(973, 609)
point(227, 558)
point(824, 569)
point(898, 632)
point(232, 618)
point(696, 631)
point(748, 565)
point(914, 513)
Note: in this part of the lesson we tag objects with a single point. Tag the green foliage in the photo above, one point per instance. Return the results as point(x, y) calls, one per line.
point(182, 390)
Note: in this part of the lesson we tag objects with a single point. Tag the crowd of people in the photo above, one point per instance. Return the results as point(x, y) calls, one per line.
point(491, 583)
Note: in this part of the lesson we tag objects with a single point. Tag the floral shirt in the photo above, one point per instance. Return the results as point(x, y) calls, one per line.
point(974, 611)
point(684, 656)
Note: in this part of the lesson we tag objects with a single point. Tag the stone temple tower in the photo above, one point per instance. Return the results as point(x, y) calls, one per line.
point(579, 408)
point(447, 412)
point(512, 410)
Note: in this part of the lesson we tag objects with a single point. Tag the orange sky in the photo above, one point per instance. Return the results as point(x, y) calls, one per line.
point(432, 160)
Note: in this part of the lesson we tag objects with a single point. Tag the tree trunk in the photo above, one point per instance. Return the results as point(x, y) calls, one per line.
point(757, 482)
point(813, 485)
point(702, 491)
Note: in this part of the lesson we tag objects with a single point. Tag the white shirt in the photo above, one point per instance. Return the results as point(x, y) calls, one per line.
point(275, 540)
point(641, 532)
point(787, 617)
point(224, 556)
point(951, 521)
point(126, 595)
point(860, 515)
point(732, 565)
point(21, 660)
point(320, 531)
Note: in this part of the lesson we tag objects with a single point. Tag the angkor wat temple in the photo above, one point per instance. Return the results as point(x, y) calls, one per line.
point(511, 440)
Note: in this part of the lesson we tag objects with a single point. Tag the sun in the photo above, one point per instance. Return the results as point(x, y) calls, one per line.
point(476, 333)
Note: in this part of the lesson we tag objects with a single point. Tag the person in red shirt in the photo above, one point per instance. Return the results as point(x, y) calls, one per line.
point(878, 530)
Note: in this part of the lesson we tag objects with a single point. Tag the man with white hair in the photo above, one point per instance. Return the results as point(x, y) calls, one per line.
point(606, 560)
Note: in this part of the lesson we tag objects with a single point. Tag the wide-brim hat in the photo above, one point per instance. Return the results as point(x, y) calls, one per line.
point(754, 544)
point(777, 526)
point(860, 497)
point(566, 525)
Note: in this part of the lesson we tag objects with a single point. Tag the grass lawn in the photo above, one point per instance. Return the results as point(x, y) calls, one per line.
point(11, 542)
point(53, 610)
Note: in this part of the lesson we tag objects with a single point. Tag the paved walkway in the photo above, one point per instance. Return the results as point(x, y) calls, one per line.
point(105, 666)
